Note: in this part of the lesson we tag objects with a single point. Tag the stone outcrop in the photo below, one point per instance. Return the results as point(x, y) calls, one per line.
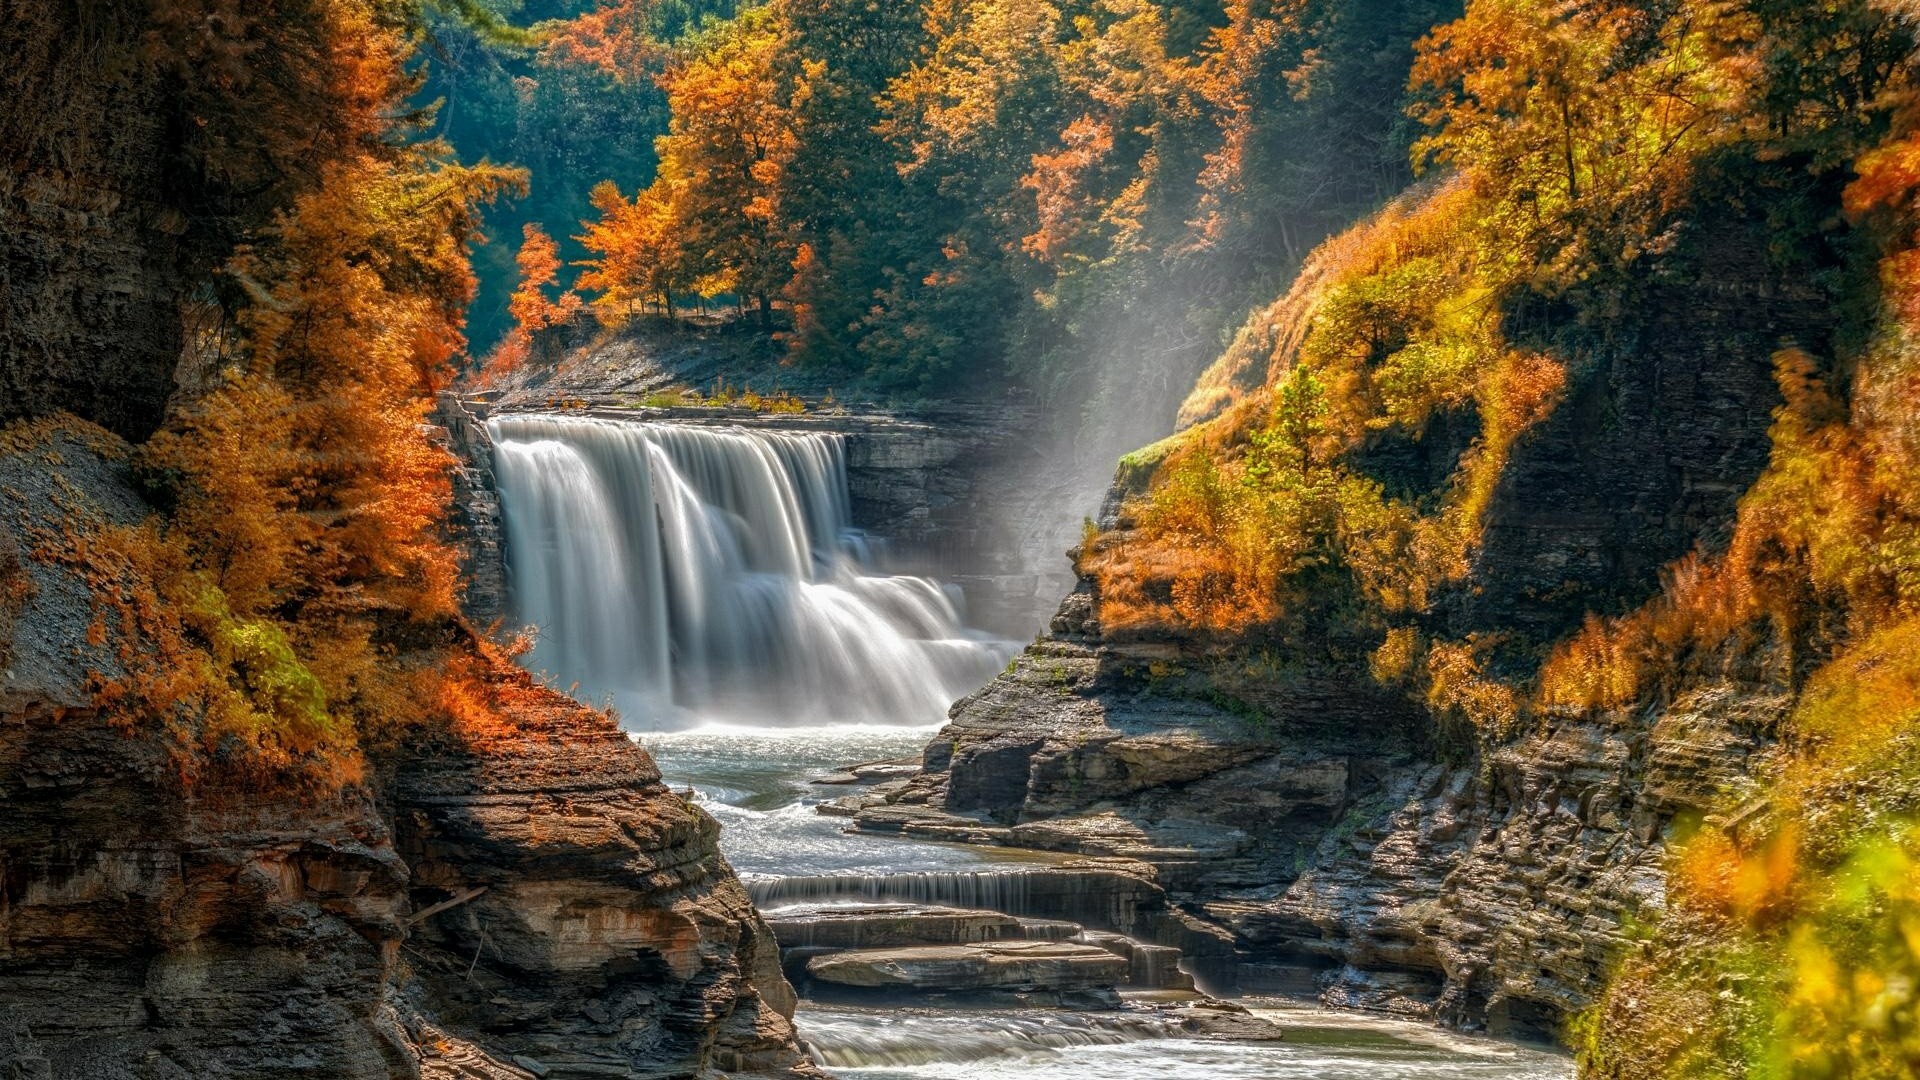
point(474, 524)
point(596, 928)
point(534, 905)
point(888, 926)
point(1338, 855)
point(1321, 823)
point(1010, 965)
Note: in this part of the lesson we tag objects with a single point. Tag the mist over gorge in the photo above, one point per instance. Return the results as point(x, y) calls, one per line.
point(1260, 539)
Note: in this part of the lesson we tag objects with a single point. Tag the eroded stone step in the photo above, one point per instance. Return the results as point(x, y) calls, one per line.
point(1116, 896)
point(1009, 965)
point(887, 926)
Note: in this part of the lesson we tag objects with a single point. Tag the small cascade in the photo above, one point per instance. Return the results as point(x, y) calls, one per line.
point(852, 1041)
point(1108, 899)
point(712, 573)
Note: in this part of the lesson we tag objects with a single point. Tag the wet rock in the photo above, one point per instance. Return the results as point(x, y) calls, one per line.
point(1332, 855)
point(604, 896)
point(1049, 930)
point(1221, 1021)
point(1149, 967)
point(871, 772)
point(1014, 965)
point(888, 926)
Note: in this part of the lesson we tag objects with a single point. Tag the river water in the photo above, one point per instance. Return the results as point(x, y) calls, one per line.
point(757, 782)
point(708, 582)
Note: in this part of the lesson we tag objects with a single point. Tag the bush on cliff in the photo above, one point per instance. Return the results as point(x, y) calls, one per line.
point(290, 598)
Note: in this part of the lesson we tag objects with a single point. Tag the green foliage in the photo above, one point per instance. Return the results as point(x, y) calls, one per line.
point(277, 698)
point(977, 187)
point(571, 112)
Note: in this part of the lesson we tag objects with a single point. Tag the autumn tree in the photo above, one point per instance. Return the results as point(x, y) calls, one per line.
point(635, 257)
point(298, 555)
point(723, 160)
point(539, 264)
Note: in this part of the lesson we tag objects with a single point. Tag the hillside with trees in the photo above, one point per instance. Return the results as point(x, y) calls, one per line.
point(1534, 374)
point(1602, 182)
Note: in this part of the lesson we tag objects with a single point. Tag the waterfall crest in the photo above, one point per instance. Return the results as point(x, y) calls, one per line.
point(712, 574)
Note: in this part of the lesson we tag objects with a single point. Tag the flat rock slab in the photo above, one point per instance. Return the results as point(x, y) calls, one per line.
point(872, 772)
point(888, 926)
point(1010, 965)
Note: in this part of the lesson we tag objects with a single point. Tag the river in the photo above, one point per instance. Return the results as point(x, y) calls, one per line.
point(708, 582)
point(758, 783)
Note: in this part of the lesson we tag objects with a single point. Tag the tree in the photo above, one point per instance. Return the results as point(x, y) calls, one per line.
point(539, 263)
point(724, 158)
point(637, 258)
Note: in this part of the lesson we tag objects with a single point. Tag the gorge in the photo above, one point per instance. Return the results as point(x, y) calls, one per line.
point(734, 547)
point(958, 539)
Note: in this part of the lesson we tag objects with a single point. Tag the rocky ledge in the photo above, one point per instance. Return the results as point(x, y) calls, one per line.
point(1315, 836)
point(535, 904)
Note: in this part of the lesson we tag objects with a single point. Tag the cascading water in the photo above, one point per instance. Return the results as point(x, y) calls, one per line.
point(704, 573)
point(707, 579)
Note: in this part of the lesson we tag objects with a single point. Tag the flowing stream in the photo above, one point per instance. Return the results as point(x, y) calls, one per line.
point(709, 583)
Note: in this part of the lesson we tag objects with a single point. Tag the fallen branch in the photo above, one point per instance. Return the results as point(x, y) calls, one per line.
point(445, 905)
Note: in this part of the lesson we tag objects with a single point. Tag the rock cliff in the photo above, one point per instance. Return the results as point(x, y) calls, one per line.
point(1347, 843)
point(1338, 851)
point(533, 904)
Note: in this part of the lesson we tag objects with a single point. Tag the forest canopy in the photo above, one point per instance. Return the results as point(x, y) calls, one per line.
point(926, 196)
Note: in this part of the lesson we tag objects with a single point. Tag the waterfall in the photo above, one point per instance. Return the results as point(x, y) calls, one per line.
point(709, 573)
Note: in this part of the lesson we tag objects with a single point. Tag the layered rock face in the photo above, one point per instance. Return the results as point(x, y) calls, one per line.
point(154, 928)
point(1339, 842)
point(595, 927)
point(146, 932)
point(90, 246)
point(1332, 851)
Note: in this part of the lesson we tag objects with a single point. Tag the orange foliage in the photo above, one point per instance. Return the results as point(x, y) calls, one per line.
point(1057, 181)
point(1829, 522)
point(539, 264)
point(1388, 327)
point(225, 695)
point(1456, 687)
point(616, 38)
point(637, 255)
point(711, 221)
point(533, 312)
point(1714, 877)
point(270, 613)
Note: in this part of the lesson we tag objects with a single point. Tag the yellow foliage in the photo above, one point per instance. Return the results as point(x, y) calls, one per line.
point(1388, 327)
point(1394, 660)
point(1456, 687)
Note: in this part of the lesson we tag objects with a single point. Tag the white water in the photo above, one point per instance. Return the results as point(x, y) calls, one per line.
point(694, 574)
point(757, 783)
point(707, 581)
point(1118, 1046)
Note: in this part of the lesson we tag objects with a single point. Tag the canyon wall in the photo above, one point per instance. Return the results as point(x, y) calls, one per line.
point(1347, 841)
point(531, 903)
point(93, 221)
